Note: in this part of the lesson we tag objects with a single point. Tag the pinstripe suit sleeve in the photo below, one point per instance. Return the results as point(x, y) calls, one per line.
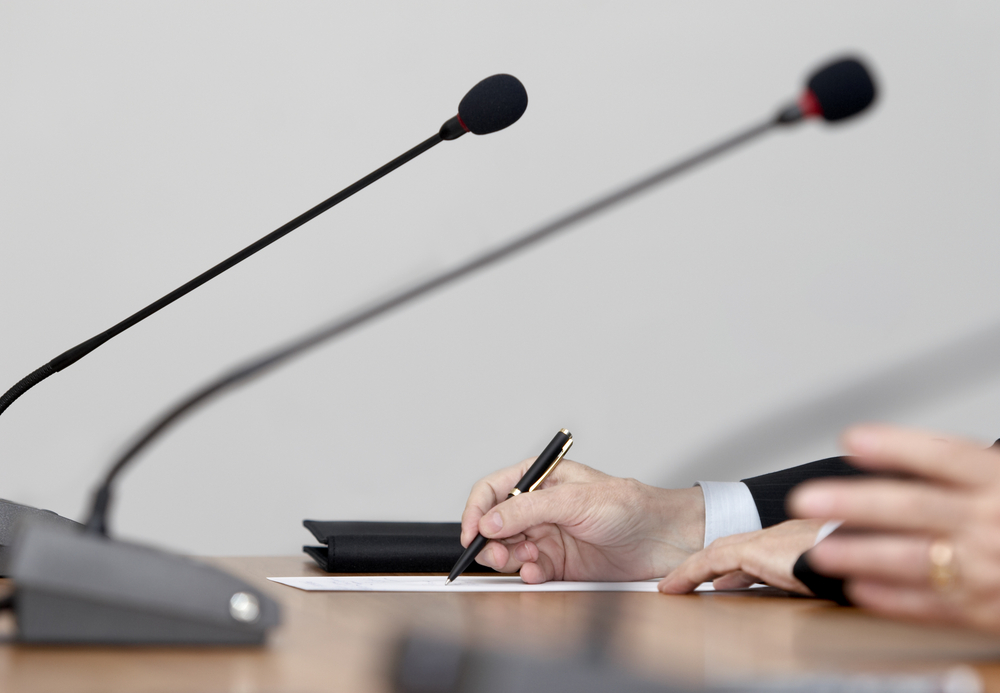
point(770, 490)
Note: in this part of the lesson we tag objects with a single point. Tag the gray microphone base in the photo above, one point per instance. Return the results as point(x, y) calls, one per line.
point(78, 588)
point(12, 517)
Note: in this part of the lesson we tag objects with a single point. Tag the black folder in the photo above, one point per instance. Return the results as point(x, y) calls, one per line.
point(387, 547)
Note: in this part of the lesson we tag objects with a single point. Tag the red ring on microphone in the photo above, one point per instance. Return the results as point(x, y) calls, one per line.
point(809, 104)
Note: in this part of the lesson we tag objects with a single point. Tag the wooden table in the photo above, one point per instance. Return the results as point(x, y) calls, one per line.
point(346, 641)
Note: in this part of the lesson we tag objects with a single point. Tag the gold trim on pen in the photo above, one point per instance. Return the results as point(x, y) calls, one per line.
point(562, 453)
point(514, 492)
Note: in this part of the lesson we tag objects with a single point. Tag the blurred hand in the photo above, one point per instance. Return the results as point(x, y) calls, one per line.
point(740, 560)
point(953, 501)
point(583, 525)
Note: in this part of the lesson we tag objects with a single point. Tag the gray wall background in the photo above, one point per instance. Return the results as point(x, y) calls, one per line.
point(142, 143)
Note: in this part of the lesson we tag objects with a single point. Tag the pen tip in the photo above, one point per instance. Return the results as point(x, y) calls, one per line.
point(447, 582)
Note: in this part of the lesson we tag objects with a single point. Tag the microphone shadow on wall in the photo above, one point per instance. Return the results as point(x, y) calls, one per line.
point(944, 371)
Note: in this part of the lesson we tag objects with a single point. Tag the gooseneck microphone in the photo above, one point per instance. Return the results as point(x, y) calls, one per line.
point(838, 91)
point(493, 104)
point(843, 88)
point(123, 593)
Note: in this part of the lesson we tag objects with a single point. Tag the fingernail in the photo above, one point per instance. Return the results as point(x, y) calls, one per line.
point(863, 441)
point(521, 553)
point(494, 522)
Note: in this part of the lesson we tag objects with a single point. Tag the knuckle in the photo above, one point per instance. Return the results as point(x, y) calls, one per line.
point(718, 557)
point(731, 539)
point(633, 484)
point(481, 487)
point(573, 466)
point(631, 493)
point(721, 542)
point(705, 557)
point(578, 470)
point(632, 488)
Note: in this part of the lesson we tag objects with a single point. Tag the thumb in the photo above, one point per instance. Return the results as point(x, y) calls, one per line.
point(559, 505)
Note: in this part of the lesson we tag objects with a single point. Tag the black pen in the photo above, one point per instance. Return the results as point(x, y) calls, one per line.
point(543, 466)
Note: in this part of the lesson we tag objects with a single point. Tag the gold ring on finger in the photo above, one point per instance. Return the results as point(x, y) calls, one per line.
point(944, 573)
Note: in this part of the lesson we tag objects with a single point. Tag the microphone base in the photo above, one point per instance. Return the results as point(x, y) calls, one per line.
point(12, 517)
point(76, 588)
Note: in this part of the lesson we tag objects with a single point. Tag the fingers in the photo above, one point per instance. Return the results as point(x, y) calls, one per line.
point(494, 555)
point(507, 556)
point(715, 561)
point(560, 505)
point(882, 504)
point(539, 571)
point(766, 555)
point(932, 456)
point(897, 559)
point(486, 493)
point(921, 603)
point(524, 557)
point(734, 581)
point(493, 489)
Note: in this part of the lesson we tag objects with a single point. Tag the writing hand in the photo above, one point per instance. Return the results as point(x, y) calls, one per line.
point(582, 524)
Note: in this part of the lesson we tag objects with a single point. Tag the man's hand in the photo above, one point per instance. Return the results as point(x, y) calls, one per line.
point(950, 503)
point(740, 560)
point(583, 525)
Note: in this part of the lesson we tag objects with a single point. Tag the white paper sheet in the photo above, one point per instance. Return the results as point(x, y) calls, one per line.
point(423, 583)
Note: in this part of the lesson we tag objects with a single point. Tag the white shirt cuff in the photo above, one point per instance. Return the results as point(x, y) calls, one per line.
point(729, 509)
point(826, 530)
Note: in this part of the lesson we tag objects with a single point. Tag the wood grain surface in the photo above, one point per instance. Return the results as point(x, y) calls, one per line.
point(348, 641)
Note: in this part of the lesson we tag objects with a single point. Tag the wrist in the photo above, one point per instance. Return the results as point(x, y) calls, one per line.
point(685, 508)
point(677, 526)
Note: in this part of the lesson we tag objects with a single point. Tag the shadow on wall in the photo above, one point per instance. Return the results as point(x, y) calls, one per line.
point(947, 370)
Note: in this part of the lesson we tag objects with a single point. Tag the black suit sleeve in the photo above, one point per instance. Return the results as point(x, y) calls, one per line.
point(770, 490)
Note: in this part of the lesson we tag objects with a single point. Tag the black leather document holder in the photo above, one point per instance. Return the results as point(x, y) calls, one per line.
point(387, 547)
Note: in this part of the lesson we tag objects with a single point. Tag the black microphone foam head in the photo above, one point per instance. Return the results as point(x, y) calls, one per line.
point(843, 89)
point(493, 104)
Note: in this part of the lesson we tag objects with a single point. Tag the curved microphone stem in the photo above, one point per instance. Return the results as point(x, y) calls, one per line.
point(70, 357)
point(97, 521)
